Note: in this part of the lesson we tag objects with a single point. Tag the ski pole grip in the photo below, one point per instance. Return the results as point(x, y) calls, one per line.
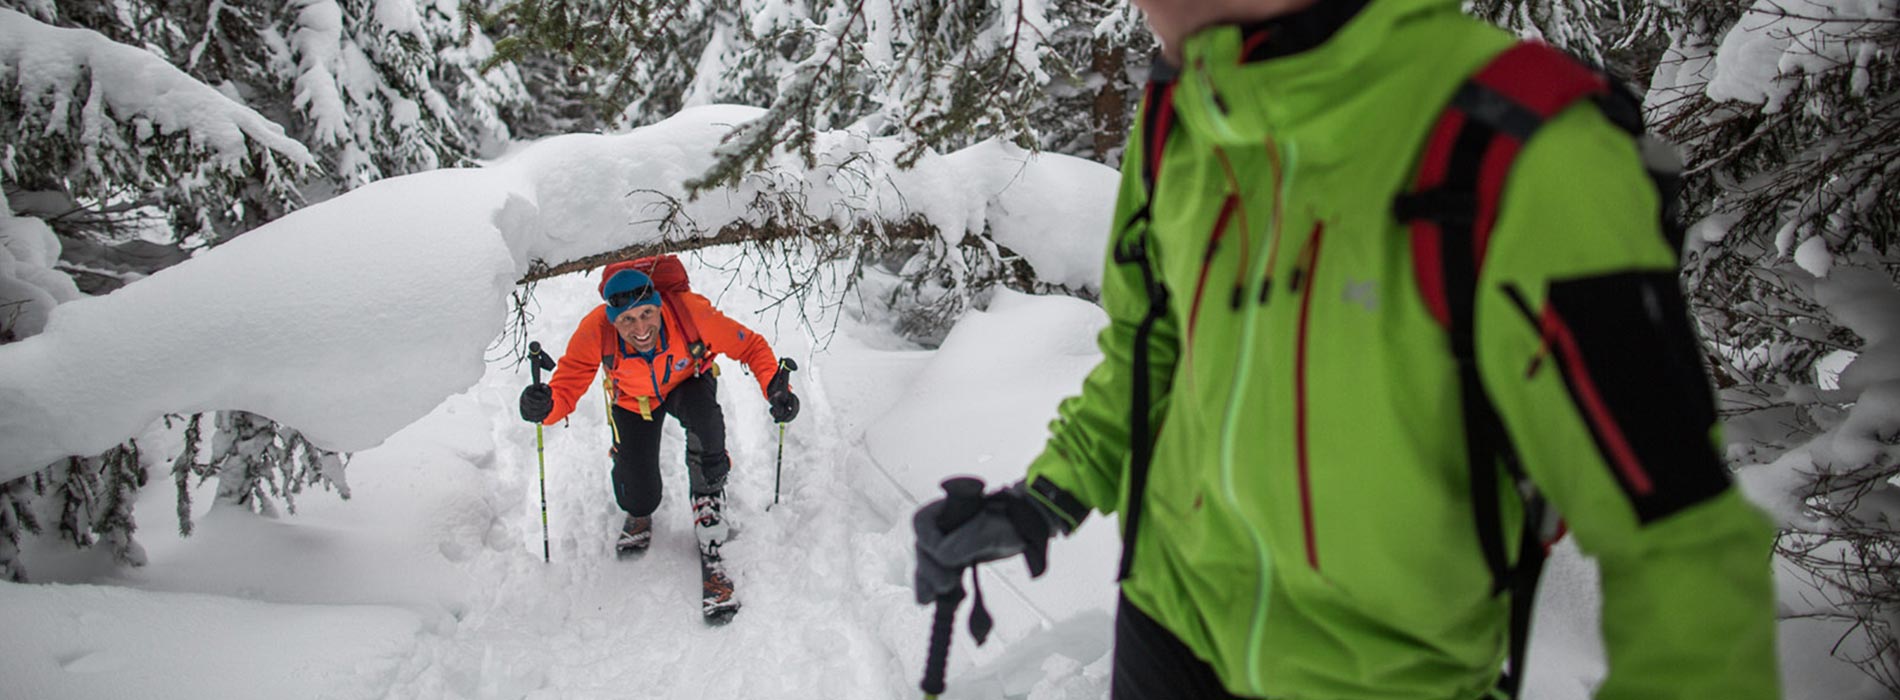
point(962, 500)
point(538, 360)
point(940, 631)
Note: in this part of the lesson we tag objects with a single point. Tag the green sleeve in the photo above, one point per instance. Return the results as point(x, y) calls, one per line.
point(1596, 373)
point(1088, 445)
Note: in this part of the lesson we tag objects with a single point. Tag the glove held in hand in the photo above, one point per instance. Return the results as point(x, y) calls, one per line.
point(1008, 523)
point(779, 393)
point(537, 401)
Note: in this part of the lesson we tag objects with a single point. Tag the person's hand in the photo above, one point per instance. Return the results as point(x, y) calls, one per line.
point(784, 406)
point(537, 401)
point(779, 393)
point(968, 527)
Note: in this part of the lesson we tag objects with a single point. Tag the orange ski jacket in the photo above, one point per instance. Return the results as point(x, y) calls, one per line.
point(639, 382)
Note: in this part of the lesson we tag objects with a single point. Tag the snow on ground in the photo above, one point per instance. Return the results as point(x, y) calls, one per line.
point(429, 582)
point(441, 547)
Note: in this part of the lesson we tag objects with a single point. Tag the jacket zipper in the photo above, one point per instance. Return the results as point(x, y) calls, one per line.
point(1239, 295)
point(1302, 282)
point(1207, 261)
point(1621, 455)
point(1282, 167)
point(1273, 242)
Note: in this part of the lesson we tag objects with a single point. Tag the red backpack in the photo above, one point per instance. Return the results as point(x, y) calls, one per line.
point(669, 277)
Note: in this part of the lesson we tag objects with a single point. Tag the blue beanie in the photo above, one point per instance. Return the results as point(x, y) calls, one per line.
point(629, 281)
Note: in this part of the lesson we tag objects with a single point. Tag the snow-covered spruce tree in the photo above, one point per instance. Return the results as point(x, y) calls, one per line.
point(374, 87)
point(1790, 116)
point(258, 460)
point(1104, 51)
point(186, 465)
point(106, 139)
point(17, 520)
point(939, 75)
point(1787, 112)
point(1627, 37)
point(95, 495)
point(119, 137)
point(380, 88)
point(96, 130)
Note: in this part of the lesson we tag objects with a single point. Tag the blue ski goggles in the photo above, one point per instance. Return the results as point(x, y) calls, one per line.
point(630, 297)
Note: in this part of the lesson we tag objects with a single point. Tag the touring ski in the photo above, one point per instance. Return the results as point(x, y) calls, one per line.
point(716, 600)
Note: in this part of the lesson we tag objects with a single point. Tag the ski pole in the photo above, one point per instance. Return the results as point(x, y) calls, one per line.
point(785, 364)
point(538, 361)
point(963, 499)
point(780, 469)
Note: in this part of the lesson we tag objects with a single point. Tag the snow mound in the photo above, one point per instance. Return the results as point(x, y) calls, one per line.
point(352, 318)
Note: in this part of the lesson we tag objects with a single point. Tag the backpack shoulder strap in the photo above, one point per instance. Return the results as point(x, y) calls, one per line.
point(609, 345)
point(1468, 155)
point(1450, 208)
point(695, 344)
point(1132, 247)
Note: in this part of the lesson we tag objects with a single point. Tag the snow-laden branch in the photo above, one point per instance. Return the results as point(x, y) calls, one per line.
point(1777, 41)
point(353, 318)
point(66, 73)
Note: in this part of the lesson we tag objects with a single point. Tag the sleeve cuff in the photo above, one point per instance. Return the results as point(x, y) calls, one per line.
point(1067, 509)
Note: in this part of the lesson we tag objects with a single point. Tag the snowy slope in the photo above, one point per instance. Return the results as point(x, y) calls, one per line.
point(441, 546)
point(429, 582)
point(350, 319)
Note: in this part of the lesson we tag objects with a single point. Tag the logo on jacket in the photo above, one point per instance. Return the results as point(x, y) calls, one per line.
point(680, 365)
point(1365, 294)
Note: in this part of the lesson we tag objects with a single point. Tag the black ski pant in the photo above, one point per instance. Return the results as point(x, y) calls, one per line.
point(1152, 664)
point(695, 402)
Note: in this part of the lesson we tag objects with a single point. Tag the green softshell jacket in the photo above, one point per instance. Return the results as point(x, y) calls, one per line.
point(1307, 527)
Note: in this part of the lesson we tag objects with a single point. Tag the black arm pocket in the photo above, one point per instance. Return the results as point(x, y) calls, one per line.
point(1633, 365)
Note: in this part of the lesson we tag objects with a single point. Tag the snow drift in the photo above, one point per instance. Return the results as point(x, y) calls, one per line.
point(449, 245)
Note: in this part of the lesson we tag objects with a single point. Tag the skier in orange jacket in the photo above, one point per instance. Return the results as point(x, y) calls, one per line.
point(659, 364)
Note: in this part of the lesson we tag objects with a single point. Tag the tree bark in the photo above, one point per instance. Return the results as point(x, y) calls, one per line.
point(915, 228)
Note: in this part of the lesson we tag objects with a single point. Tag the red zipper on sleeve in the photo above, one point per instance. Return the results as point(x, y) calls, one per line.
point(1303, 277)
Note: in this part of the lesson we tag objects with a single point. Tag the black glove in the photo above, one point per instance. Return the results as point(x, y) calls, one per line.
point(779, 393)
point(983, 528)
point(537, 401)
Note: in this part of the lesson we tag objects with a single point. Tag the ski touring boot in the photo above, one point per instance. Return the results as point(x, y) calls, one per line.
point(634, 537)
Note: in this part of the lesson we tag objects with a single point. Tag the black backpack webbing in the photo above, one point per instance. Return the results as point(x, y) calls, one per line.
point(1133, 248)
point(1451, 208)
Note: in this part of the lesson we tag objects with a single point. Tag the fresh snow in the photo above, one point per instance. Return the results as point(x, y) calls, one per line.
point(130, 85)
point(1776, 42)
point(366, 322)
point(28, 253)
point(429, 581)
point(300, 322)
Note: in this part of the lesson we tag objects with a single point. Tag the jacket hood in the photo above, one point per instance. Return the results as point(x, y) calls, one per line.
point(1239, 83)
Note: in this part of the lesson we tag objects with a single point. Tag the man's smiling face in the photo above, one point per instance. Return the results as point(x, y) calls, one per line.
point(640, 327)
